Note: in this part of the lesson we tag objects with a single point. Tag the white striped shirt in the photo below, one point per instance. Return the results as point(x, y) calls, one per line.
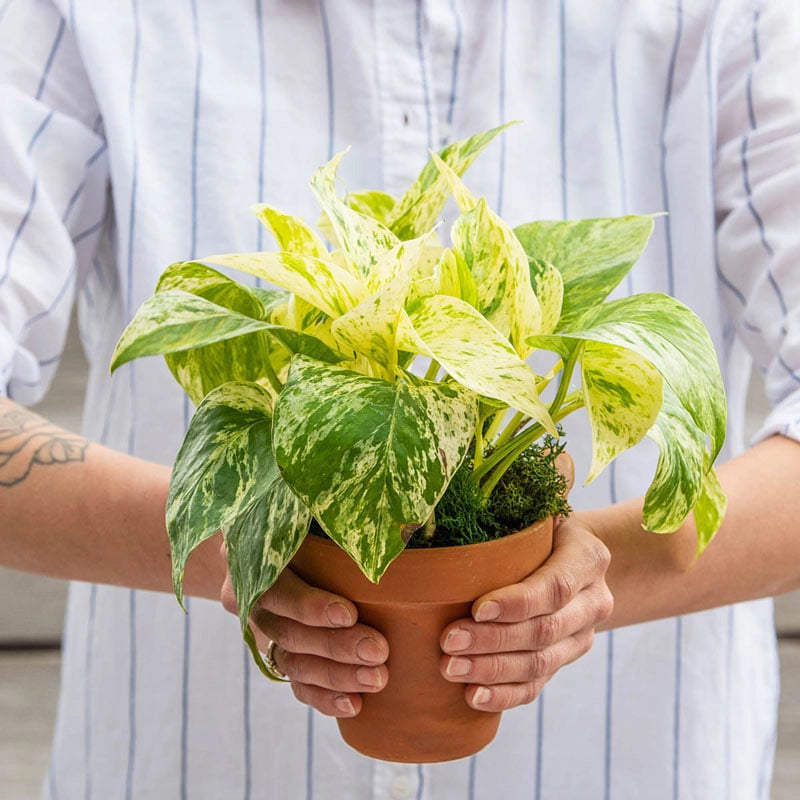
point(134, 133)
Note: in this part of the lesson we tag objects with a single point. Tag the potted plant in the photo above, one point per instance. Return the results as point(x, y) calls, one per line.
point(388, 378)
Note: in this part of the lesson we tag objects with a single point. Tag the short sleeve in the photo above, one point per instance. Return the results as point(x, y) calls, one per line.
point(758, 198)
point(53, 191)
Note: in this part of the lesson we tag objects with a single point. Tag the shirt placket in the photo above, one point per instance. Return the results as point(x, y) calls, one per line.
point(406, 96)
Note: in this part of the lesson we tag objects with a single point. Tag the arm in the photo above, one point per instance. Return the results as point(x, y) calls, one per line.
point(77, 510)
point(756, 552)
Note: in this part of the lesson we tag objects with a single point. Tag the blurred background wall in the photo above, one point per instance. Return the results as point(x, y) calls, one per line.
point(31, 611)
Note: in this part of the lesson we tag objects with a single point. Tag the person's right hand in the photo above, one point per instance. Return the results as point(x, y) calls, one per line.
point(327, 655)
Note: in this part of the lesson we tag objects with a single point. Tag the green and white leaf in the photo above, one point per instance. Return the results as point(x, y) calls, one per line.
point(418, 209)
point(363, 237)
point(473, 352)
point(498, 264)
point(262, 539)
point(684, 480)
point(548, 286)
point(291, 234)
point(672, 338)
point(172, 321)
point(622, 394)
point(371, 327)
point(220, 469)
point(369, 457)
point(709, 510)
point(320, 282)
point(593, 255)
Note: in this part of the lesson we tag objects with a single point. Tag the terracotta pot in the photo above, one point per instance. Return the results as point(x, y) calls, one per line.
point(419, 716)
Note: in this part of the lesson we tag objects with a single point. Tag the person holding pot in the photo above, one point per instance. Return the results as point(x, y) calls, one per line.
point(134, 133)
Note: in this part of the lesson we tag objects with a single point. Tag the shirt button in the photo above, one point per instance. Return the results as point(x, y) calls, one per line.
point(401, 787)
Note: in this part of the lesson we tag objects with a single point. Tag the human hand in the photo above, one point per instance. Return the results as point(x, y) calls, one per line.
point(521, 635)
point(327, 655)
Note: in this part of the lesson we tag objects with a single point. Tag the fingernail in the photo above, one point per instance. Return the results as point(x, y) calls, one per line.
point(369, 676)
point(344, 704)
point(488, 610)
point(482, 696)
point(458, 639)
point(367, 650)
point(457, 667)
point(338, 615)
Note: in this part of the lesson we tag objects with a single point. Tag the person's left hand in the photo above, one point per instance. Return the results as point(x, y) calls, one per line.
point(521, 635)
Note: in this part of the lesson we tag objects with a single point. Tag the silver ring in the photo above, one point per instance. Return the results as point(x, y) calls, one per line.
point(269, 662)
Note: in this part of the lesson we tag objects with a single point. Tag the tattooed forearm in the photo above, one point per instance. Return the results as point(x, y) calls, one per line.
point(26, 439)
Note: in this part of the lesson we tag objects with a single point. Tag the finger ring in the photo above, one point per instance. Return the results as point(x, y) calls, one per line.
point(269, 663)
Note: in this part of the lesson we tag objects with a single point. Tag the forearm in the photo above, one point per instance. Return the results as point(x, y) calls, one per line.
point(756, 552)
point(75, 509)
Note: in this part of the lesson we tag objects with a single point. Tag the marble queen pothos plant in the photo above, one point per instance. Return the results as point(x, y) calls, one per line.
point(307, 404)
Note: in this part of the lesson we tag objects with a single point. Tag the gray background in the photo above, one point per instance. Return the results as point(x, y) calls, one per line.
point(31, 611)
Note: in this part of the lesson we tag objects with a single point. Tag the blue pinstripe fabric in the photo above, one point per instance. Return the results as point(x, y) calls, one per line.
point(662, 143)
point(310, 754)
point(39, 131)
point(456, 57)
point(562, 73)
point(423, 68)
point(501, 103)
point(473, 765)
point(18, 233)
point(87, 722)
point(539, 765)
point(676, 740)
point(131, 698)
point(326, 38)
point(50, 59)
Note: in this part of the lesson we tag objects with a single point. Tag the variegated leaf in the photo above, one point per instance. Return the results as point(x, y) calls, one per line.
point(261, 540)
point(417, 210)
point(710, 508)
point(548, 286)
point(291, 234)
point(363, 237)
point(684, 479)
point(672, 338)
point(220, 469)
point(472, 352)
point(371, 327)
point(172, 321)
point(498, 265)
point(377, 205)
point(622, 393)
point(320, 282)
point(369, 457)
point(411, 258)
point(593, 255)
point(241, 358)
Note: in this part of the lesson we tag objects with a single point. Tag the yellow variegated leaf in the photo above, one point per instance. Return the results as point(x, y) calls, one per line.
point(363, 237)
point(377, 205)
point(472, 352)
point(623, 394)
point(371, 327)
point(320, 282)
point(409, 258)
point(417, 210)
point(548, 286)
point(710, 508)
point(292, 234)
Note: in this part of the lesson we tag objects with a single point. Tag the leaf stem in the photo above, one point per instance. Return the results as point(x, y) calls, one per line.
point(495, 426)
point(514, 423)
point(273, 379)
point(563, 384)
point(432, 371)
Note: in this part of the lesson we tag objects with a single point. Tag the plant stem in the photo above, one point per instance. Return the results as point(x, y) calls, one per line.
point(563, 385)
point(518, 419)
point(432, 371)
point(497, 422)
point(502, 457)
point(274, 382)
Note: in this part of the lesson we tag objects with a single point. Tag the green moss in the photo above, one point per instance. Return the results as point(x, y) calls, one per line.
point(531, 489)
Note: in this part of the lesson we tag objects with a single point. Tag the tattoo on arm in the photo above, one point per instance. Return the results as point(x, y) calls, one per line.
point(27, 439)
